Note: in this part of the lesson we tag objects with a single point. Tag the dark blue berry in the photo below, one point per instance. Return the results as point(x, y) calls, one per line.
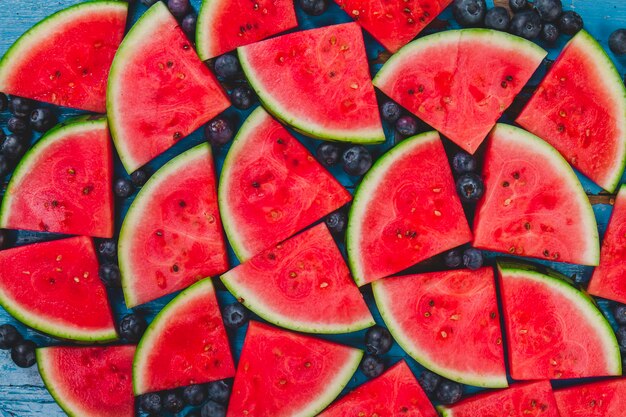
point(621, 336)
point(219, 131)
point(313, 7)
point(107, 249)
point(14, 146)
point(429, 381)
point(550, 33)
point(173, 401)
point(497, 18)
point(23, 353)
point(179, 8)
point(227, 66)
point(328, 153)
point(42, 119)
point(151, 403)
point(188, 25)
point(549, 10)
point(518, 5)
point(18, 125)
point(449, 392)
point(620, 313)
point(218, 391)
point(453, 258)
point(390, 111)
point(132, 327)
point(21, 107)
point(336, 222)
point(235, 315)
point(372, 366)
point(5, 166)
point(110, 275)
point(462, 163)
point(213, 409)
point(469, 12)
point(9, 336)
point(123, 187)
point(406, 125)
point(139, 177)
point(470, 187)
point(472, 258)
point(526, 24)
point(570, 23)
point(356, 160)
point(378, 340)
point(194, 394)
point(4, 102)
point(617, 42)
point(242, 97)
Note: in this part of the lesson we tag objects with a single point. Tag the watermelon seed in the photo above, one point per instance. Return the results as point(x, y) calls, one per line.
point(436, 190)
point(354, 86)
point(411, 91)
point(437, 213)
point(427, 314)
point(86, 275)
point(161, 66)
point(546, 252)
point(331, 74)
point(279, 246)
point(181, 76)
point(516, 175)
point(492, 315)
point(71, 171)
point(293, 274)
point(555, 255)
point(211, 218)
point(52, 281)
point(333, 40)
point(256, 6)
point(592, 403)
point(523, 331)
point(58, 269)
point(307, 364)
point(344, 47)
point(87, 189)
point(182, 203)
point(420, 88)
point(507, 201)
point(431, 303)
point(282, 381)
point(552, 362)
point(324, 285)
point(587, 132)
point(85, 71)
point(355, 12)
point(271, 256)
point(455, 317)
point(562, 113)
point(26, 272)
point(503, 84)
point(59, 257)
point(509, 78)
point(533, 403)
point(175, 268)
point(177, 135)
point(76, 279)
point(407, 10)
point(159, 232)
point(512, 249)
point(527, 226)
point(444, 334)
point(255, 184)
point(71, 85)
point(280, 141)
point(505, 184)
point(447, 100)
point(185, 46)
point(563, 79)
point(560, 128)
point(169, 64)
point(498, 341)
point(410, 21)
point(55, 203)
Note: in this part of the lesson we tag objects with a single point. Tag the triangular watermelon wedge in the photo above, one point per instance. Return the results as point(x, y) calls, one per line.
point(65, 58)
point(271, 187)
point(460, 81)
point(317, 81)
point(185, 344)
point(63, 183)
point(394, 393)
point(159, 91)
point(580, 109)
point(302, 284)
point(534, 204)
point(284, 374)
point(597, 399)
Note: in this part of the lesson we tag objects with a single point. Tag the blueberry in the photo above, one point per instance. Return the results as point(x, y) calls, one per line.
point(378, 340)
point(21, 107)
point(151, 403)
point(453, 258)
point(235, 315)
point(218, 131)
point(526, 24)
point(570, 23)
point(9, 336)
point(550, 33)
point(449, 392)
point(23, 353)
point(328, 153)
point(617, 42)
point(472, 258)
point(107, 249)
point(194, 394)
point(356, 160)
point(497, 18)
point(621, 336)
point(406, 125)
point(620, 313)
point(313, 7)
point(5, 166)
point(173, 402)
point(462, 162)
point(212, 409)
point(336, 222)
point(242, 97)
point(139, 177)
point(110, 275)
point(518, 5)
point(179, 8)
point(549, 10)
point(218, 391)
point(188, 25)
point(469, 12)
point(14, 146)
point(123, 187)
point(372, 366)
point(132, 327)
point(18, 125)
point(470, 187)
point(4, 102)
point(390, 111)
point(42, 119)
point(227, 66)
point(429, 381)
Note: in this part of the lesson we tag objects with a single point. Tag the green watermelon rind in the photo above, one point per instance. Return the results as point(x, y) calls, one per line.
point(203, 25)
point(445, 411)
point(42, 360)
point(584, 303)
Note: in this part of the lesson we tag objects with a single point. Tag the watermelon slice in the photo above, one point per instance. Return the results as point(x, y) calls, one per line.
point(554, 331)
point(607, 280)
point(447, 321)
point(172, 234)
point(284, 374)
point(393, 23)
point(271, 187)
point(394, 393)
point(580, 109)
point(224, 25)
point(90, 381)
point(301, 284)
point(65, 59)
point(185, 344)
point(405, 210)
point(159, 91)
point(63, 184)
point(317, 81)
point(460, 81)
point(599, 399)
point(534, 205)
point(50, 286)
point(521, 400)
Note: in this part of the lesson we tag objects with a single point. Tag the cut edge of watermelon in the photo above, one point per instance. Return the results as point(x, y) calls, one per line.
point(584, 303)
point(204, 45)
point(404, 340)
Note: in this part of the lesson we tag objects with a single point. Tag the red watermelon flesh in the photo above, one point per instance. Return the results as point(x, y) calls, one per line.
point(272, 192)
point(172, 234)
point(284, 374)
point(580, 109)
point(534, 204)
point(393, 23)
point(227, 24)
point(65, 59)
point(394, 393)
point(598, 399)
point(90, 381)
point(63, 184)
point(303, 284)
point(608, 280)
point(521, 400)
point(447, 321)
point(159, 91)
point(405, 211)
point(50, 286)
point(460, 81)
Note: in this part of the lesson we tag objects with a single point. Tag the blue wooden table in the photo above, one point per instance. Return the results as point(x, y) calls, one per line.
point(22, 393)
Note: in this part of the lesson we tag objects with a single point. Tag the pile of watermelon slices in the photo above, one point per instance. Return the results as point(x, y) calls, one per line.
point(246, 222)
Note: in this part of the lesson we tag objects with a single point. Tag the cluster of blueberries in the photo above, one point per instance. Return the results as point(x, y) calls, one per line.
point(22, 350)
